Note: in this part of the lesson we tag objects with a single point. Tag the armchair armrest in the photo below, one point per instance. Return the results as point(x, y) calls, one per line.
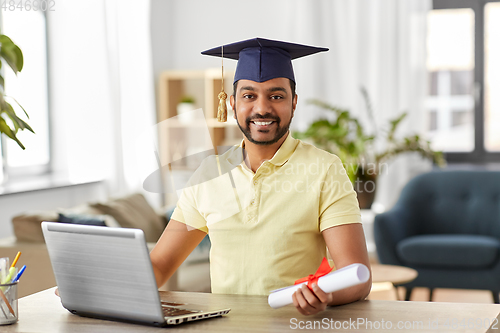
point(389, 229)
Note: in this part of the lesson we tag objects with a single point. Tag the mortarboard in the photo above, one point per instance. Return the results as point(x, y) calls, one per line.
point(261, 59)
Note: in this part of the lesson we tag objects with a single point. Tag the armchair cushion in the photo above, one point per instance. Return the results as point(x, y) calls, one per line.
point(452, 251)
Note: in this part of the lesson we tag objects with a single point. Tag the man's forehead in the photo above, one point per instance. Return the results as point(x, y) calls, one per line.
point(273, 84)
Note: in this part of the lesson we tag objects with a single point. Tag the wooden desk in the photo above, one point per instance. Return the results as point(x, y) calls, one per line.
point(43, 312)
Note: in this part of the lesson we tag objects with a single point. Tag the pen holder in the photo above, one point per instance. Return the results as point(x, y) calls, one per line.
point(8, 303)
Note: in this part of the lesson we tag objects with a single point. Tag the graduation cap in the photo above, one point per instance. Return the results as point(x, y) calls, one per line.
point(260, 60)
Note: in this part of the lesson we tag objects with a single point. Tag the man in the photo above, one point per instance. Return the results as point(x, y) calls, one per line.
point(279, 204)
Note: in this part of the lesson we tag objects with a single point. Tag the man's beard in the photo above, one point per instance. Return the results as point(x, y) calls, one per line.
point(280, 131)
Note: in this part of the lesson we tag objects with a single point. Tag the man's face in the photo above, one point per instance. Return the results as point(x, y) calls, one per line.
point(264, 110)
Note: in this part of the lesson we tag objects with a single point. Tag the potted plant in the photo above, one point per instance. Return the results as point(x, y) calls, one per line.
point(185, 105)
point(13, 56)
point(359, 150)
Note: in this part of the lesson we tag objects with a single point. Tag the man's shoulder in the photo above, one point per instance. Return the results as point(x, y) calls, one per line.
point(310, 152)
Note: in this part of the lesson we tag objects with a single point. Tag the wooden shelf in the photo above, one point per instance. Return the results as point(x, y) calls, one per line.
point(204, 86)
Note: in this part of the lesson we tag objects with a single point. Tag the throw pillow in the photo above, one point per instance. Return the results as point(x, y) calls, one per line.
point(81, 219)
point(27, 226)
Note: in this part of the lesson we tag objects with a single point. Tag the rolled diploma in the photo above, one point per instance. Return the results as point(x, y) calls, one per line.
point(340, 279)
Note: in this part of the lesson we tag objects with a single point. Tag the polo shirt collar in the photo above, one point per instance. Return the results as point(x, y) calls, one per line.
point(235, 154)
point(285, 151)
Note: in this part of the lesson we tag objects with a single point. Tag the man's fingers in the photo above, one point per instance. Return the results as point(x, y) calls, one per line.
point(320, 294)
point(310, 302)
point(311, 299)
point(297, 305)
point(303, 300)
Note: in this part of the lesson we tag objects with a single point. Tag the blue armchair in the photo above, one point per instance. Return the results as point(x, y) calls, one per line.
point(446, 225)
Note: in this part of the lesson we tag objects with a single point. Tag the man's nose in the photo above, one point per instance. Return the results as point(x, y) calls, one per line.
point(262, 106)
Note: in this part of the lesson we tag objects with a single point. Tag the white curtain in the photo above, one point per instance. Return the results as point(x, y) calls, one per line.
point(102, 90)
point(377, 44)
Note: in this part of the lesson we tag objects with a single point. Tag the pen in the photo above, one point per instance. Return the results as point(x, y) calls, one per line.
point(18, 275)
point(12, 272)
point(7, 303)
point(15, 259)
point(12, 269)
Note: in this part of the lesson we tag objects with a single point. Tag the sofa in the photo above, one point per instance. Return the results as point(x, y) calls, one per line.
point(132, 211)
point(446, 225)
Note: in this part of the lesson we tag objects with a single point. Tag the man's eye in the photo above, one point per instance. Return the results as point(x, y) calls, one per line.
point(248, 96)
point(276, 97)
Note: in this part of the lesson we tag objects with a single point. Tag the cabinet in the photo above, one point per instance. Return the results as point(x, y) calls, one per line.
point(178, 139)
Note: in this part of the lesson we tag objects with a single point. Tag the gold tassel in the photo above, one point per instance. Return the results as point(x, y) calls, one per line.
point(222, 109)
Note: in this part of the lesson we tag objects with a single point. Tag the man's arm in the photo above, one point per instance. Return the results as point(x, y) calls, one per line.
point(174, 246)
point(346, 244)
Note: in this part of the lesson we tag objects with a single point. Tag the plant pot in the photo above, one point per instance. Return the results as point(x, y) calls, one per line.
point(366, 190)
point(183, 112)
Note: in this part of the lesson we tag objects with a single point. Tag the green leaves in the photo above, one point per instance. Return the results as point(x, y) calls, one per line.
point(346, 137)
point(4, 128)
point(394, 125)
point(13, 55)
point(18, 122)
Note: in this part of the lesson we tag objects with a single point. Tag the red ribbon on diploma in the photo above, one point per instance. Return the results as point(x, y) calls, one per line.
point(323, 269)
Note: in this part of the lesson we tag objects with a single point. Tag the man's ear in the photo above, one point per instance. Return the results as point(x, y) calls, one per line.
point(294, 104)
point(232, 102)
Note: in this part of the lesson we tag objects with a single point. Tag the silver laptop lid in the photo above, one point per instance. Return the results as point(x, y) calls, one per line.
point(103, 271)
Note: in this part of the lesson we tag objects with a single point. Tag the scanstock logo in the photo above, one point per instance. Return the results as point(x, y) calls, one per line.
point(184, 156)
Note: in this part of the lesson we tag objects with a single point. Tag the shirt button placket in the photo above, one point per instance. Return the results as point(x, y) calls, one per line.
point(254, 202)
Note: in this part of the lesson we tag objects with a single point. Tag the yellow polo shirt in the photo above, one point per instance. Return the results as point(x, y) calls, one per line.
point(265, 227)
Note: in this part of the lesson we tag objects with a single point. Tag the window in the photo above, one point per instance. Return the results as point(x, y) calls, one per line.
point(492, 76)
point(28, 30)
point(463, 62)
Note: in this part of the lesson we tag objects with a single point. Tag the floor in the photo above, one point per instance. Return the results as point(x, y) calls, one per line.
point(195, 277)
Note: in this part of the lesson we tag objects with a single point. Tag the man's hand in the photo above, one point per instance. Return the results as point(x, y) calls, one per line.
point(310, 302)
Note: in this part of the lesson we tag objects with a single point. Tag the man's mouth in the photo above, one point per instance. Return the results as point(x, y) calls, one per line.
point(262, 124)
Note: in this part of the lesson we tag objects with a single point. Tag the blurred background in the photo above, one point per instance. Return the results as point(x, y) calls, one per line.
point(99, 75)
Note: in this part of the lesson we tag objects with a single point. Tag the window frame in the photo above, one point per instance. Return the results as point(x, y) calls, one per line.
point(479, 155)
point(13, 173)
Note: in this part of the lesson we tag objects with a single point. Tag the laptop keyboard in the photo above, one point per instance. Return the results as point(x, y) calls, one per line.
point(172, 312)
point(169, 309)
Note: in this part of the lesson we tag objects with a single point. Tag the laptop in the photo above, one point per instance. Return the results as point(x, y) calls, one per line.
point(106, 273)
